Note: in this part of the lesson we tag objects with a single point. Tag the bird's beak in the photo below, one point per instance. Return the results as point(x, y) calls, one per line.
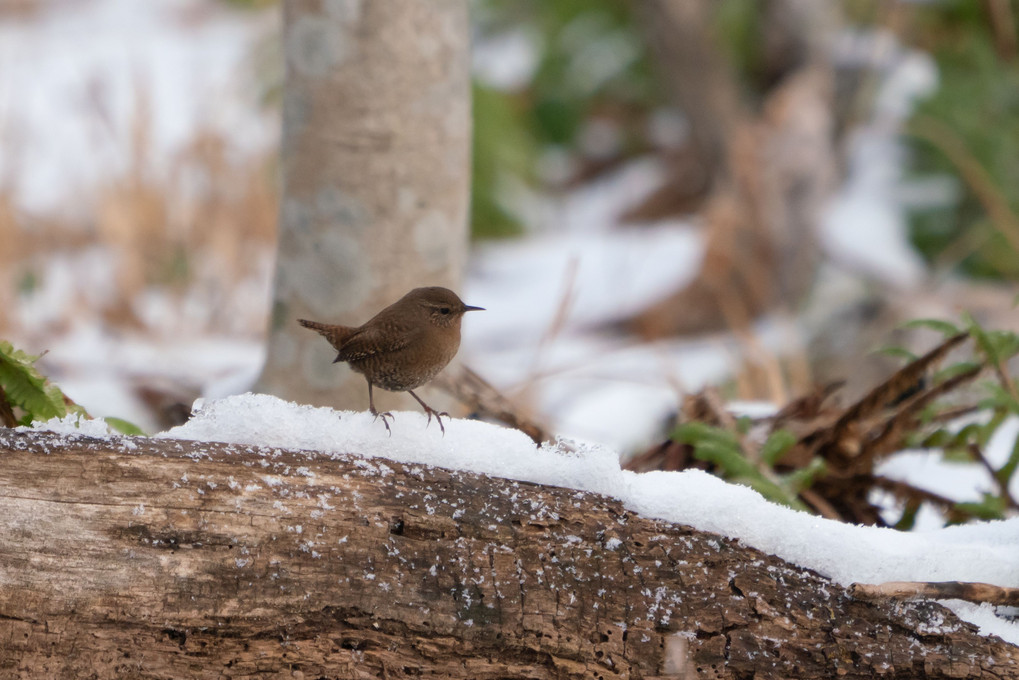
point(468, 308)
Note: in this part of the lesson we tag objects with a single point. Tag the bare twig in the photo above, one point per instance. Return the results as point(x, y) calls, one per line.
point(978, 453)
point(1004, 378)
point(948, 415)
point(1002, 20)
point(558, 323)
point(822, 506)
point(909, 492)
point(939, 590)
point(480, 397)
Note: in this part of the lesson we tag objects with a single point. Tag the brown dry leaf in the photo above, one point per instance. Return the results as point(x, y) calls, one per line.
point(850, 440)
point(906, 418)
point(845, 434)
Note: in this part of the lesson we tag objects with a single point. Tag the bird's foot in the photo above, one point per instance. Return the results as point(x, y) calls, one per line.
point(429, 411)
point(383, 415)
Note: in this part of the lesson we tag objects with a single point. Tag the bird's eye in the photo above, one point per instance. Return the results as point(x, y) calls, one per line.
point(444, 310)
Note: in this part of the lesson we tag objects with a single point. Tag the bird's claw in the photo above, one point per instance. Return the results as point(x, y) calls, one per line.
point(429, 411)
point(384, 415)
point(438, 417)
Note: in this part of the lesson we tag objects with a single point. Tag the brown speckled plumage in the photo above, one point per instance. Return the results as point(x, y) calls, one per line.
point(403, 346)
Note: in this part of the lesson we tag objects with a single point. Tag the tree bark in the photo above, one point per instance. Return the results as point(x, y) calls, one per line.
point(375, 168)
point(139, 558)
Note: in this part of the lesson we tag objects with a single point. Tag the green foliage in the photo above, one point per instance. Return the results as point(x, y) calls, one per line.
point(594, 53)
point(803, 478)
point(124, 426)
point(591, 62)
point(954, 370)
point(737, 25)
point(977, 102)
point(724, 449)
point(991, 506)
point(966, 444)
point(699, 433)
point(946, 328)
point(776, 446)
point(908, 519)
point(26, 388)
point(28, 283)
point(503, 148)
point(997, 346)
point(1005, 474)
point(30, 394)
point(999, 398)
point(782, 467)
point(895, 351)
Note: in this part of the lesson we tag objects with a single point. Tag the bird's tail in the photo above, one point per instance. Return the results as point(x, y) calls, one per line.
point(335, 334)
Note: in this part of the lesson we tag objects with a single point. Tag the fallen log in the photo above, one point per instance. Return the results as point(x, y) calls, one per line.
point(160, 558)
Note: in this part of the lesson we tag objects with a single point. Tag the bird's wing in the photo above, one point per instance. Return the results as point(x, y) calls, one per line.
point(373, 341)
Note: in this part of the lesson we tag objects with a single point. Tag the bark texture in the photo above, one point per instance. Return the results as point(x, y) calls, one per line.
point(375, 168)
point(166, 559)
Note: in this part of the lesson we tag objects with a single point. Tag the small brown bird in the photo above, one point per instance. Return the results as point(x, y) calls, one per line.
point(403, 346)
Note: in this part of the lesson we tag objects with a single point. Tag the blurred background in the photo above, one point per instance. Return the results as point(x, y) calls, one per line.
point(667, 194)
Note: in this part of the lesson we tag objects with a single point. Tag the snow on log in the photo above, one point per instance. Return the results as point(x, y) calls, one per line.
point(161, 558)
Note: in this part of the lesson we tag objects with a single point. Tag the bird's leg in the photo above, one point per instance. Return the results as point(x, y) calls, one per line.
point(431, 412)
point(383, 415)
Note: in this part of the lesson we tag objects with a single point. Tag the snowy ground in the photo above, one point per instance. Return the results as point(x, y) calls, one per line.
point(76, 79)
point(66, 118)
point(986, 552)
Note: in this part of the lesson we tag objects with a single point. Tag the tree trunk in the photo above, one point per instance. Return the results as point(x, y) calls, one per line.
point(375, 176)
point(140, 558)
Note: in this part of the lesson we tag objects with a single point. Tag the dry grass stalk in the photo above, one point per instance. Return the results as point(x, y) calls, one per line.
point(205, 224)
point(994, 200)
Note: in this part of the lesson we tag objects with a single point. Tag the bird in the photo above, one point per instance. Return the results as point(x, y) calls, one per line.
point(403, 346)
